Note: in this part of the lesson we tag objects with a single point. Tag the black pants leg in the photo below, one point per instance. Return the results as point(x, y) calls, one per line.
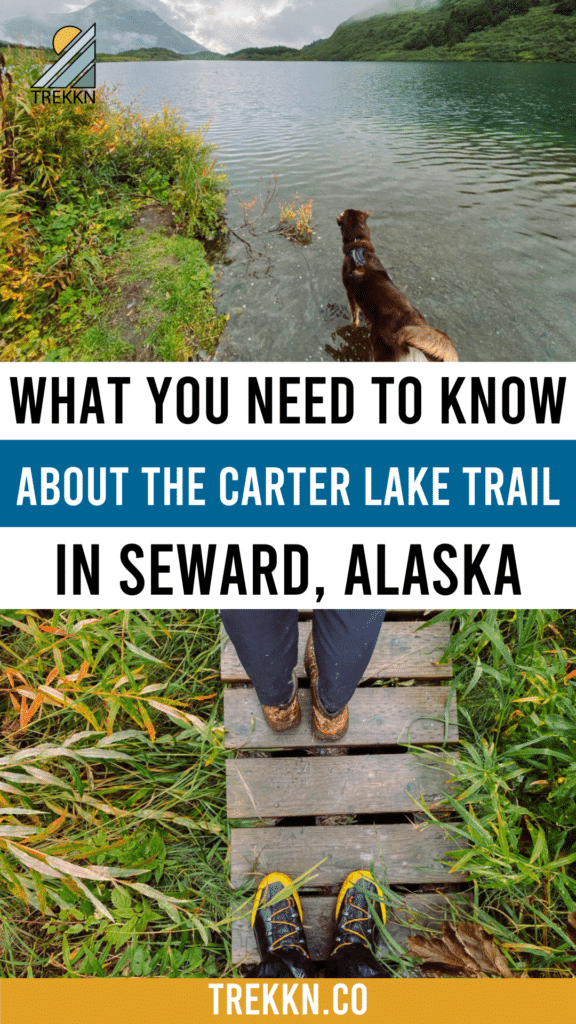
point(267, 645)
point(343, 643)
point(266, 642)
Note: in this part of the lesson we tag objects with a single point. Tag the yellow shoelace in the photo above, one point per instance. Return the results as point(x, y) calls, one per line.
point(281, 941)
point(364, 916)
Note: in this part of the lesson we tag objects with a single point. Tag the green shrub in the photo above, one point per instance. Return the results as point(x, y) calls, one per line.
point(73, 177)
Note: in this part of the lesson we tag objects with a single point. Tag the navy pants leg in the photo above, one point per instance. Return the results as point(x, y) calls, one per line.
point(267, 644)
point(343, 644)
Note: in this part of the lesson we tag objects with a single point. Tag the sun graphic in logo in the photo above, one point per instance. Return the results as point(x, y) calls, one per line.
point(64, 36)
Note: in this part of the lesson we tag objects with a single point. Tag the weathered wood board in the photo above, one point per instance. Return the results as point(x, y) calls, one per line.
point(379, 716)
point(363, 784)
point(399, 854)
point(423, 614)
point(402, 652)
point(388, 782)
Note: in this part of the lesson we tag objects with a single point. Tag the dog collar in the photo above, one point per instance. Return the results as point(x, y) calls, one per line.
point(358, 257)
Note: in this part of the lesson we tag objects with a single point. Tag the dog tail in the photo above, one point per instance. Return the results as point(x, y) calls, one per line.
point(436, 346)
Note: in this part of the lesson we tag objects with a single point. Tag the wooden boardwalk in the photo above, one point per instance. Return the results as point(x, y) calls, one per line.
point(302, 803)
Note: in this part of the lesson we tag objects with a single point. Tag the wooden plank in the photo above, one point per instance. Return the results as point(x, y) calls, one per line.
point(407, 614)
point(379, 716)
point(401, 854)
point(401, 653)
point(363, 784)
point(391, 613)
point(419, 910)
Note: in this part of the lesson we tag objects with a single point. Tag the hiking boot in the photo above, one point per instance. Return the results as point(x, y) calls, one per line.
point(284, 716)
point(278, 929)
point(355, 925)
point(326, 727)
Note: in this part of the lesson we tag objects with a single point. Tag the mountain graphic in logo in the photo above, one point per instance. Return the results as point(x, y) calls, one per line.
point(76, 64)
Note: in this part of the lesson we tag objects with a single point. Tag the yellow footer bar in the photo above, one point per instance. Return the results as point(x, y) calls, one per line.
point(180, 1001)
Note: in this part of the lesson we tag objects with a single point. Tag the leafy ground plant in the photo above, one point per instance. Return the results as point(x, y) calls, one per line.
point(74, 177)
point(157, 302)
point(296, 222)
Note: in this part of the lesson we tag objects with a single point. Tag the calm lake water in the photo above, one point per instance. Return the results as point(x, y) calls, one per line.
point(468, 170)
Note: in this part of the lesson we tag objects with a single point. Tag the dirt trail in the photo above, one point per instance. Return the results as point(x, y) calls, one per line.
point(129, 314)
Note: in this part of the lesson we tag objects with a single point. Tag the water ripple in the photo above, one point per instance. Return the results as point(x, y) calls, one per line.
point(469, 171)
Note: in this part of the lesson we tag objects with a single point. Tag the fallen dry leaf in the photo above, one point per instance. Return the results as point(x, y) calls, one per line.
point(464, 951)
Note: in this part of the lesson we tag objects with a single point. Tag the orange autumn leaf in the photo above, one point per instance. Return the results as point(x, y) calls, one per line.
point(26, 714)
point(147, 721)
point(23, 709)
point(50, 829)
point(13, 673)
point(77, 677)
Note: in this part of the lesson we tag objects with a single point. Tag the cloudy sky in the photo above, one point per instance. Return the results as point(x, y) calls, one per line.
point(227, 25)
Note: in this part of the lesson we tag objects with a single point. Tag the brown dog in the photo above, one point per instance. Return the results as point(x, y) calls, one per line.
point(397, 330)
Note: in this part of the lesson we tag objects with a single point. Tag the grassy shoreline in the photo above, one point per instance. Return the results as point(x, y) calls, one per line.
point(74, 181)
point(114, 764)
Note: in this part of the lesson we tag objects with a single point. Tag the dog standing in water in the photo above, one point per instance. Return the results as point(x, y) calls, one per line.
point(398, 332)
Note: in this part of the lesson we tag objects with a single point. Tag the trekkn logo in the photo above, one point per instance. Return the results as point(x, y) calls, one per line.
point(71, 78)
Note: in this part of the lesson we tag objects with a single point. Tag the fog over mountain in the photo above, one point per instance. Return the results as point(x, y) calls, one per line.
point(219, 25)
point(120, 25)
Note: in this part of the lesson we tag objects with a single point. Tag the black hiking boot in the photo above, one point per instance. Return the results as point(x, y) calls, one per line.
point(355, 925)
point(278, 929)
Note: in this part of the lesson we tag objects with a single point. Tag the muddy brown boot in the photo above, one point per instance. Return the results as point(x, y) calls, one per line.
point(284, 716)
point(326, 727)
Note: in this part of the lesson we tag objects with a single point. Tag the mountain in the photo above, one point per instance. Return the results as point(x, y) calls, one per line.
point(120, 25)
point(491, 30)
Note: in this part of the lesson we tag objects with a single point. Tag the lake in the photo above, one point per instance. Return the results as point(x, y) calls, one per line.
point(468, 170)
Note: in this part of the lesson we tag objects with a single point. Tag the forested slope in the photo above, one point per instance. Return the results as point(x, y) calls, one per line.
point(499, 30)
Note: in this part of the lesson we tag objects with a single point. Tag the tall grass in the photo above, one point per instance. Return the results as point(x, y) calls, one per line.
point(514, 800)
point(72, 178)
point(113, 839)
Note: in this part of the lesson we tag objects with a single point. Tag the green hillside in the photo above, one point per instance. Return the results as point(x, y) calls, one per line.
point(458, 30)
point(494, 30)
point(155, 53)
point(265, 53)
